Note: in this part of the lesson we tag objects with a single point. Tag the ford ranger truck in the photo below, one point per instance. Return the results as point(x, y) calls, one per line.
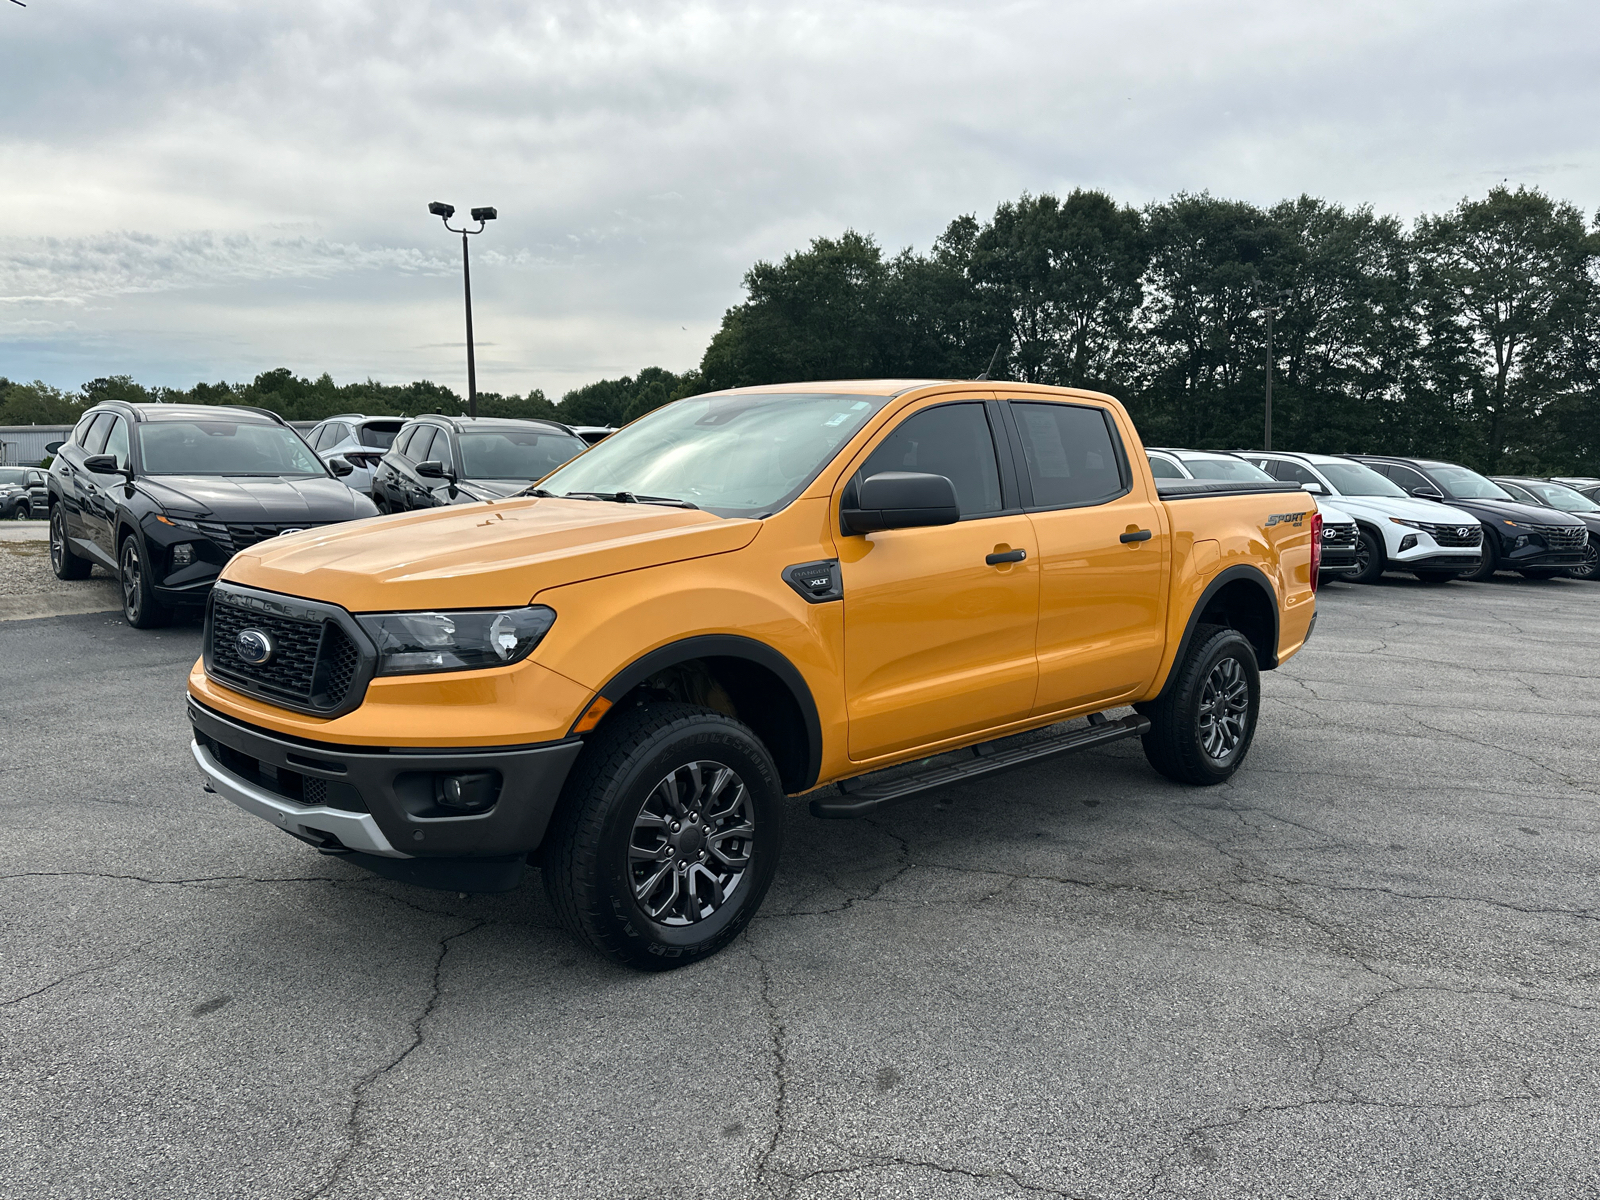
point(743, 596)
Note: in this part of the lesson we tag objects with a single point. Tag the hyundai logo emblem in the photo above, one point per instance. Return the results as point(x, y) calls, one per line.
point(1463, 531)
point(253, 646)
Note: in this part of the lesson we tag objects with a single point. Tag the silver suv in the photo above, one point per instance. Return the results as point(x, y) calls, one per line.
point(358, 441)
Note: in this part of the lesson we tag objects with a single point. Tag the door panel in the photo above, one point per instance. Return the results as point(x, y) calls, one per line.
point(1102, 601)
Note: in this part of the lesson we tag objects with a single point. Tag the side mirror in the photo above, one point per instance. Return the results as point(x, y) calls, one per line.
point(104, 464)
point(901, 500)
point(340, 468)
point(434, 469)
point(1316, 489)
point(53, 447)
point(1427, 492)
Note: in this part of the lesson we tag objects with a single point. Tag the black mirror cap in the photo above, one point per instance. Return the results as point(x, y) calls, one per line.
point(102, 464)
point(902, 500)
point(432, 469)
point(341, 468)
point(1427, 493)
point(53, 447)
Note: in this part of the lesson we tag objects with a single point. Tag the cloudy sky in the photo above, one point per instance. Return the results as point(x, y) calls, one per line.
point(210, 188)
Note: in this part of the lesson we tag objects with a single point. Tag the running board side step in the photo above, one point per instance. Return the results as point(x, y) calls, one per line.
point(862, 796)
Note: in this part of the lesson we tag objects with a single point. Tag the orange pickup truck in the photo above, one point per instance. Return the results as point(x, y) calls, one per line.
point(880, 586)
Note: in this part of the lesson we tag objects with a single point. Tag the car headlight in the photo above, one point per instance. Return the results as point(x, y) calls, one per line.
point(1407, 524)
point(419, 643)
point(179, 522)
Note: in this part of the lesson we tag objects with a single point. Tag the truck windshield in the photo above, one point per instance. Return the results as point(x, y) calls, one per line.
point(223, 448)
point(12, 475)
point(1463, 484)
point(741, 455)
point(517, 453)
point(1353, 479)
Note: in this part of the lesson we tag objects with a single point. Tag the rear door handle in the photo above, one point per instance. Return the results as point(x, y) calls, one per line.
point(1139, 535)
point(994, 560)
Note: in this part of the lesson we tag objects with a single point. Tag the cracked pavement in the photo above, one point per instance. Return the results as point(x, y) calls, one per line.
point(1366, 967)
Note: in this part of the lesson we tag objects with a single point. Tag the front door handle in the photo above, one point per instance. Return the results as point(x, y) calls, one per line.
point(1005, 556)
point(1137, 535)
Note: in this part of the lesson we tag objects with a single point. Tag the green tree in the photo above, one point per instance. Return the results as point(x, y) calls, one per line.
point(37, 403)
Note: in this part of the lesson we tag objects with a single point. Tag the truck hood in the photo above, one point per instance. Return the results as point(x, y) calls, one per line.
point(481, 556)
point(249, 500)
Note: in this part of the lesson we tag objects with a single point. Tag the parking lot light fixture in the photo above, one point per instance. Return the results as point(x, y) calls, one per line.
point(482, 216)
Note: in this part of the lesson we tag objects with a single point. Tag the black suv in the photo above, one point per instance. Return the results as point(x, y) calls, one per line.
point(1532, 490)
point(164, 494)
point(22, 493)
point(1536, 542)
point(460, 460)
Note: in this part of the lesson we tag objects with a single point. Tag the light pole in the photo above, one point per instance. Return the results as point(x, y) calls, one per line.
point(1270, 308)
point(482, 216)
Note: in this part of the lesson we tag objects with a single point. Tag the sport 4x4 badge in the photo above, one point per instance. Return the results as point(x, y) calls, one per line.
point(1285, 519)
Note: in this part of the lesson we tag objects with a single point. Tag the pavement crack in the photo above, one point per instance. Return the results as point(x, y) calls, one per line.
point(71, 975)
point(779, 1035)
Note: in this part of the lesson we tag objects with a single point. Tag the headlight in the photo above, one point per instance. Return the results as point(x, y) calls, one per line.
point(418, 643)
point(177, 521)
point(1407, 524)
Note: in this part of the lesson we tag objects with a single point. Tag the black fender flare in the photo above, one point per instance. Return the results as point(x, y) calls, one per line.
point(1223, 579)
point(727, 645)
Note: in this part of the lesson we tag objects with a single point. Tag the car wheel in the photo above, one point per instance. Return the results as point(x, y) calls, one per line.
point(1436, 576)
point(667, 836)
point(139, 603)
point(1487, 565)
point(63, 561)
point(22, 511)
point(1589, 568)
point(1202, 724)
point(1370, 559)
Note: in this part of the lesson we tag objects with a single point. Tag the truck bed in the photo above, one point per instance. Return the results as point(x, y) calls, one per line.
point(1188, 489)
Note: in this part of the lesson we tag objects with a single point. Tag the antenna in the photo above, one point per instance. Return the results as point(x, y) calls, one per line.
point(993, 359)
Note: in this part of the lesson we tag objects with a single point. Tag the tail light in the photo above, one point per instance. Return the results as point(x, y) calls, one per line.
point(1316, 549)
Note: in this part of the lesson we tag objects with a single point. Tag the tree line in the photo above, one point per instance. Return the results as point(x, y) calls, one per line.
point(1472, 335)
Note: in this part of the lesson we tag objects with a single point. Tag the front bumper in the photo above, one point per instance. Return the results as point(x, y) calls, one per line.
point(1337, 559)
point(1442, 560)
point(381, 803)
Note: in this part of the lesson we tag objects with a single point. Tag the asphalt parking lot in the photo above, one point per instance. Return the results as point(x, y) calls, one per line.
point(1365, 968)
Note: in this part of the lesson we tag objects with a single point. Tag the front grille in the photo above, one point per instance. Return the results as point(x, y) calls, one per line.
point(1562, 537)
point(234, 537)
point(1339, 535)
point(313, 663)
point(1454, 535)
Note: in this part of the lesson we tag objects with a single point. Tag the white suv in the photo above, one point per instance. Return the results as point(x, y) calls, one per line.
point(1340, 536)
point(1434, 542)
point(357, 440)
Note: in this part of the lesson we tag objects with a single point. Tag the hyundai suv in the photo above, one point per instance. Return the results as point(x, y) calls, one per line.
point(1434, 542)
point(359, 441)
point(163, 495)
point(461, 460)
point(1558, 496)
point(1536, 542)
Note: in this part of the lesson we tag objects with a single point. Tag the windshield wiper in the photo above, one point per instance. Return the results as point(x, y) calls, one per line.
point(539, 492)
point(632, 498)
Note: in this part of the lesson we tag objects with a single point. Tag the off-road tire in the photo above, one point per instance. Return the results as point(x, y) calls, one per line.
point(1371, 558)
point(63, 561)
point(586, 852)
point(1174, 746)
point(1487, 565)
point(141, 608)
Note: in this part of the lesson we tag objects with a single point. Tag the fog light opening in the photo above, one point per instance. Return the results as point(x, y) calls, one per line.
point(474, 791)
point(1409, 542)
point(183, 554)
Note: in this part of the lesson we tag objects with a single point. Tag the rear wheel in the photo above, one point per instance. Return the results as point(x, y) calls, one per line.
point(139, 602)
point(63, 561)
point(1370, 558)
point(667, 836)
point(1202, 725)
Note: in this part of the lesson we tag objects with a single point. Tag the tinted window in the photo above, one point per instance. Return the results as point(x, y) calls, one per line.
point(224, 448)
point(1071, 457)
point(1162, 469)
point(402, 444)
point(319, 438)
point(12, 475)
point(80, 433)
point(516, 453)
point(1468, 485)
point(1292, 472)
point(95, 440)
point(1357, 479)
point(1406, 477)
point(117, 442)
point(422, 448)
point(952, 440)
point(379, 437)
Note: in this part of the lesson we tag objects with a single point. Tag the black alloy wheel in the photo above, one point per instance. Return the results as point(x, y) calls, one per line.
point(1589, 568)
point(63, 561)
point(666, 837)
point(139, 603)
point(1370, 558)
point(1202, 724)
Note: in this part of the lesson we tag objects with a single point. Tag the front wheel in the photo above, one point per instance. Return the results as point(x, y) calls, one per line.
point(139, 603)
point(1370, 559)
point(667, 836)
point(1487, 565)
point(1589, 568)
point(1202, 724)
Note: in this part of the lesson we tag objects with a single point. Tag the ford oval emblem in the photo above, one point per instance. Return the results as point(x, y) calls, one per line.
point(253, 646)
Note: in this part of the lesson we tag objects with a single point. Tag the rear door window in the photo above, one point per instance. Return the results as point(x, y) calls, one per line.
point(95, 440)
point(1407, 478)
point(421, 448)
point(952, 440)
point(1072, 455)
point(402, 444)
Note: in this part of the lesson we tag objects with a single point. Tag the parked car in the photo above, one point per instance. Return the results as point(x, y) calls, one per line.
point(461, 460)
point(1534, 541)
point(593, 433)
point(23, 495)
point(1548, 493)
point(1340, 536)
point(1434, 542)
point(357, 440)
point(1585, 485)
point(163, 495)
point(738, 596)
